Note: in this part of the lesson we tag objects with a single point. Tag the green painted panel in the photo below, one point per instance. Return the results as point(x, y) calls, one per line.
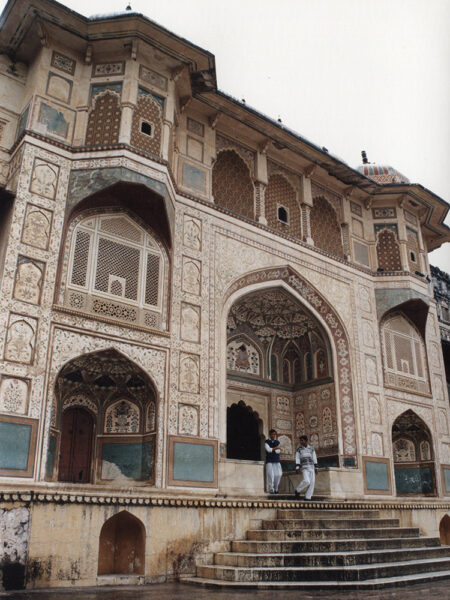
point(14, 445)
point(377, 475)
point(193, 462)
point(50, 456)
point(84, 182)
point(388, 298)
point(447, 479)
point(134, 459)
point(414, 480)
point(194, 178)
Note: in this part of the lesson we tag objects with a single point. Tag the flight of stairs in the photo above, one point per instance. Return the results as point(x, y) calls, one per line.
point(327, 549)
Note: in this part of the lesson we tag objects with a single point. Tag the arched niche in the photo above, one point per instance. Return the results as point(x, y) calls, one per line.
point(413, 456)
point(325, 227)
point(232, 185)
point(112, 402)
point(122, 546)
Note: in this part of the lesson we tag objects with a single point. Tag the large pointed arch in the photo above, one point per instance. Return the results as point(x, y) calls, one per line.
point(332, 323)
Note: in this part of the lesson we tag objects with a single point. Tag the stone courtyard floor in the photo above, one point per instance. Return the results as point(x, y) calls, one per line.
point(175, 591)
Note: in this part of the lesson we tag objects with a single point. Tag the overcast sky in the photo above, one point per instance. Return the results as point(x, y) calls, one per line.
point(350, 75)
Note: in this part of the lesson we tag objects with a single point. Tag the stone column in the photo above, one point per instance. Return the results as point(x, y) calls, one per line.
point(168, 119)
point(305, 206)
point(261, 181)
point(402, 239)
point(260, 202)
point(125, 123)
point(79, 135)
point(345, 231)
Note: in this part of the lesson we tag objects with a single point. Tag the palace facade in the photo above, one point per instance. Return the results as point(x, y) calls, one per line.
point(179, 274)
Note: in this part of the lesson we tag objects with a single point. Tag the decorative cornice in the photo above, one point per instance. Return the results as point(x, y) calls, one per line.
point(50, 497)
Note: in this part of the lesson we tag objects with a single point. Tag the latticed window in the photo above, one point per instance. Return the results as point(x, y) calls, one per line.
point(113, 257)
point(404, 354)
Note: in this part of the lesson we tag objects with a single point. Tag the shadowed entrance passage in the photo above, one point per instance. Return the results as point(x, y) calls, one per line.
point(244, 433)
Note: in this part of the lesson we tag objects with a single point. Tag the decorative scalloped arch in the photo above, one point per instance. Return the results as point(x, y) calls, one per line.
point(338, 334)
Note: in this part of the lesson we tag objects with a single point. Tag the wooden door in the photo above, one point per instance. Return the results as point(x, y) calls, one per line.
point(76, 446)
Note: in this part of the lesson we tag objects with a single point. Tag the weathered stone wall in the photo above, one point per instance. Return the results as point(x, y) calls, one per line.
point(14, 535)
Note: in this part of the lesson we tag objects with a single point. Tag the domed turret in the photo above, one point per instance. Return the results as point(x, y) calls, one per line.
point(380, 173)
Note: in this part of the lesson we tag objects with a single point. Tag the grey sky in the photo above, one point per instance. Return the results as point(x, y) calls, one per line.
point(347, 74)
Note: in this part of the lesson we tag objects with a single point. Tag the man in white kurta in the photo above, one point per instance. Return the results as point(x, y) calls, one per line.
point(306, 461)
point(273, 464)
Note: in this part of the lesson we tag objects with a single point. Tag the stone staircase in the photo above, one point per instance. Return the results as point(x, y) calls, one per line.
point(327, 549)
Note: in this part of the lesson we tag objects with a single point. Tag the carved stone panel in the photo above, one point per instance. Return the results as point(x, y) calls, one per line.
point(377, 444)
point(20, 338)
point(13, 395)
point(191, 275)
point(36, 228)
point(364, 299)
point(44, 179)
point(189, 373)
point(283, 405)
point(29, 279)
point(371, 370)
point(192, 234)
point(368, 337)
point(374, 409)
point(286, 444)
point(190, 322)
point(188, 419)
point(59, 87)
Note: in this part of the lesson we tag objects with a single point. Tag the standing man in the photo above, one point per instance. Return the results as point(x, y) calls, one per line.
point(273, 465)
point(306, 460)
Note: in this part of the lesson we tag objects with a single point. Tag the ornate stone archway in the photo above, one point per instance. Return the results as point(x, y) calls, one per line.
point(338, 336)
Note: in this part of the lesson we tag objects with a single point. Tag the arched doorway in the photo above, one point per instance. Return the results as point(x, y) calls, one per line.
point(279, 355)
point(245, 436)
point(122, 546)
point(413, 456)
point(77, 434)
point(105, 421)
point(444, 530)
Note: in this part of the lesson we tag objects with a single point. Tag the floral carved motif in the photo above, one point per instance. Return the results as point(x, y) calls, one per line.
point(36, 228)
point(188, 420)
point(44, 179)
point(192, 235)
point(189, 373)
point(29, 278)
point(13, 395)
point(20, 339)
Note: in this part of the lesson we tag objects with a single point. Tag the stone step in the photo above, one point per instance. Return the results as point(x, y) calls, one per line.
point(318, 534)
point(320, 513)
point(342, 523)
point(333, 559)
point(327, 573)
point(342, 545)
point(370, 584)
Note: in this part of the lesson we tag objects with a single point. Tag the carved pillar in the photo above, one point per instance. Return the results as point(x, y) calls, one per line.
point(402, 239)
point(126, 120)
point(260, 202)
point(305, 206)
point(80, 126)
point(306, 224)
point(169, 116)
point(261, 183)
point(345, 240)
